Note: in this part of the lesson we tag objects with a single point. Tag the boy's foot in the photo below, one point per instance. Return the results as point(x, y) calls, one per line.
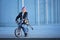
point(25, 34)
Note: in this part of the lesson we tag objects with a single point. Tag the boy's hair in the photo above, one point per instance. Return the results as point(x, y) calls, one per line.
point(23, 7)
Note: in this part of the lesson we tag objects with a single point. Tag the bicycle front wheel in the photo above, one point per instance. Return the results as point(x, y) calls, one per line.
point(17, 32)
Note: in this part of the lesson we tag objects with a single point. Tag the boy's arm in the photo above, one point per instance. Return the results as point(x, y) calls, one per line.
point(17, 17)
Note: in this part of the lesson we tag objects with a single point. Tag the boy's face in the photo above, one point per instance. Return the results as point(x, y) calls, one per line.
point(24, 10)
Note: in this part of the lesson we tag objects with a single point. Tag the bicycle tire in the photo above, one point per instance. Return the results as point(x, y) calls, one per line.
point(15, 32)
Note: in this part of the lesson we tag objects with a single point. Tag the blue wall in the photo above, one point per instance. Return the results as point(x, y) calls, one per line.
point(9, 9)
point(8, 12)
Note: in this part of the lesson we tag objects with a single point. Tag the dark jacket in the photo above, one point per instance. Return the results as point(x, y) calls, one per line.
point(25, 16)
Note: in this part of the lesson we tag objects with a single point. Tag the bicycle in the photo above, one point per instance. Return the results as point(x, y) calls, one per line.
point(16, 31)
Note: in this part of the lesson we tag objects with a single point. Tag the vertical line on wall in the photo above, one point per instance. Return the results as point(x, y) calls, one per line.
point(38, 12)
point(17, 6)
point(22, 3)
point(57, 11)
point(47, 11)
point(35, 10)
point(52, 11)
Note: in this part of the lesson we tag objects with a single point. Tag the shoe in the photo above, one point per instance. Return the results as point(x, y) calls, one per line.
point(25, 34)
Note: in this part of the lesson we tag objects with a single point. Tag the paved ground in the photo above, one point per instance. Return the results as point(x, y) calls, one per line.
point(42, 31)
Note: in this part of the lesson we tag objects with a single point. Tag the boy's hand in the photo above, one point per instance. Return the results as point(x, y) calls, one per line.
point(17, 22)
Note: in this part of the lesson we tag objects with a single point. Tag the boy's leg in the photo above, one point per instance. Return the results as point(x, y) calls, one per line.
point(25, 31)
point(19, 28)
